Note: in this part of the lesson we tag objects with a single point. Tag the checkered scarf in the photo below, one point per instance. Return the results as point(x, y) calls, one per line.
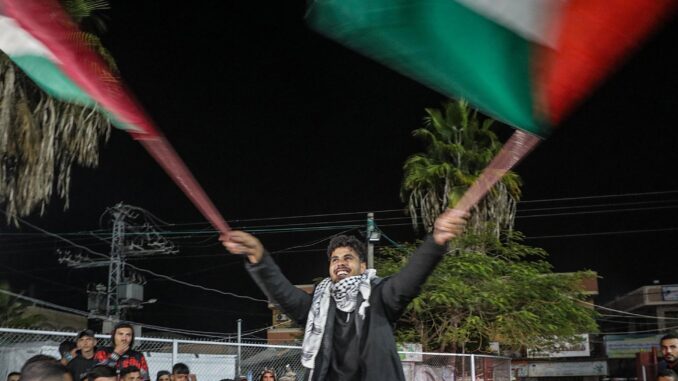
point(345, 295)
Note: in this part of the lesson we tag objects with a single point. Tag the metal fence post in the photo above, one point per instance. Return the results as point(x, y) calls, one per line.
point(473, 368)
point(175, 351)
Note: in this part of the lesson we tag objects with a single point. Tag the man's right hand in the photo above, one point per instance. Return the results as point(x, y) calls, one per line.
point(239, 242)
point(120, 349)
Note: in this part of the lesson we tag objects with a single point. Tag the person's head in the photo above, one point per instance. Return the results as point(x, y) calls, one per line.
point(13, 376)
point(85, 341)
point(44, 368)
point(130, 373)
point(65, 348)
point(346, 255)
point(267, 375)
point(669, 347)
point(163, 375)
point(180, 372)
point(667, 375)
point(122, 334)
point(102, 373)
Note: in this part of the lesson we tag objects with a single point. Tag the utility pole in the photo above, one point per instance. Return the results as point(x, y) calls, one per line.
point(116, 263)
point(372, 235)
point(133, 236)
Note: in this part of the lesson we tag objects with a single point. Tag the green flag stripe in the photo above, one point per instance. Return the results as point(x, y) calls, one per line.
point(442, 44)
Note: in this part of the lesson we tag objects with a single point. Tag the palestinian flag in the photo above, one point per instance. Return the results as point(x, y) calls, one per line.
point(42, 40)
point(527, 63)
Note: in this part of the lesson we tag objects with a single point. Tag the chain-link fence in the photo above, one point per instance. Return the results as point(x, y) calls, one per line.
point(217, 360)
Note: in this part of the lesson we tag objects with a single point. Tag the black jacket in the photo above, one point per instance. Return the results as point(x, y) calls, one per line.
point(378, 358)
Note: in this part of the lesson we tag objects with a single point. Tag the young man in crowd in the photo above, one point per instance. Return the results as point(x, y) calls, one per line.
point(84, 358)
point(349, 318)
point(44, 368)
point(131, 373)
point(102, 373)
point(668, 344)
point(121, 355)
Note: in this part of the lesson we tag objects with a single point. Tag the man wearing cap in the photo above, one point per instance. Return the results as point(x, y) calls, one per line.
point(349, 319)
point(84, 358)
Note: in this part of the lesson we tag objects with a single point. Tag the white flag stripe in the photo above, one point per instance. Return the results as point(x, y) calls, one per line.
point(16, 42)
point(534, 20)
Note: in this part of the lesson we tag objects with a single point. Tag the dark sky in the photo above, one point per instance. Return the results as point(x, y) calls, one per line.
point(277, 121)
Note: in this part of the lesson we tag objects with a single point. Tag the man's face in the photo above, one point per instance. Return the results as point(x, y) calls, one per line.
point(665, 378)
point(106, 379)
point(14, 377)
point(123, 336)
point(179, 377)
point(344, 263)
point(670, 350)
point(268, 376)
point(133, 376)
point(164, 377)
point(86, 343)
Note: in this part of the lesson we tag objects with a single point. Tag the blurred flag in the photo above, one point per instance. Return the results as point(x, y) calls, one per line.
point(524, 62)
point(42, 40)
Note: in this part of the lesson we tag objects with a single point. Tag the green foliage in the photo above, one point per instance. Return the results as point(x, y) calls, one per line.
point(13, 313)
point(460, 144)
point(505, 293)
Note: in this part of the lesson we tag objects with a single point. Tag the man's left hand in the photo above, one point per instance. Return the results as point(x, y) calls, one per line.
point(448, 225)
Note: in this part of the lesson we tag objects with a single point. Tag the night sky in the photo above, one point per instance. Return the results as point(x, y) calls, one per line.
point(275, 120)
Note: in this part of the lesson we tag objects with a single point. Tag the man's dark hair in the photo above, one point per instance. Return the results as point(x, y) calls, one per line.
point(667, 373)
point(13, 374)
point(227, 379)
point(122, 325)
point(180, 368)
point(161, 373)
point(669, 336)
point(101, 371)
point(347, 241)
point(43, 368)
point(130, 369)
point(38, 358)
point(66, 347)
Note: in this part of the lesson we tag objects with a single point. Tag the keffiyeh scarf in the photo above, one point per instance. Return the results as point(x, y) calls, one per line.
point(345, 295)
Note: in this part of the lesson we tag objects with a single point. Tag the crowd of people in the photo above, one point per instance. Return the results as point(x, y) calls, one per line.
point(83, 361)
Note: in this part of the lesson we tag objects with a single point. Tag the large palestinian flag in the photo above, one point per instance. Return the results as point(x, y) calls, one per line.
point(41, 39)
point(525, 62)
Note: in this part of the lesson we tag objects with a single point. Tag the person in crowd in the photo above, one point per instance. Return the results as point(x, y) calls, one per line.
point(130, 373)
point(84, 358)
point(44, 368)
point(13, 376)
point(121, 355)
point(67, 350)
point(102, 373)
point(668, 344)
point(350, 316)
point(162, 375)
point(267, 375)
point(180, 372)
point(667, 375)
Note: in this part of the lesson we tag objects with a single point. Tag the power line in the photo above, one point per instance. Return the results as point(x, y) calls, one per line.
point(601, 233)
point(138, 268)
point(599, 196)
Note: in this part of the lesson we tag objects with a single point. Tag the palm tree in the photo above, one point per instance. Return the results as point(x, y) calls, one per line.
point(41, 137)
point(459, 147)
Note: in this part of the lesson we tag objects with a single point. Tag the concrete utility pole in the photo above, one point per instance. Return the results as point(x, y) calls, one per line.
point(370, 243)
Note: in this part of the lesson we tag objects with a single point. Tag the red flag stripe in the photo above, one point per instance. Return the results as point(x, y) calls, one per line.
point(595, 36)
